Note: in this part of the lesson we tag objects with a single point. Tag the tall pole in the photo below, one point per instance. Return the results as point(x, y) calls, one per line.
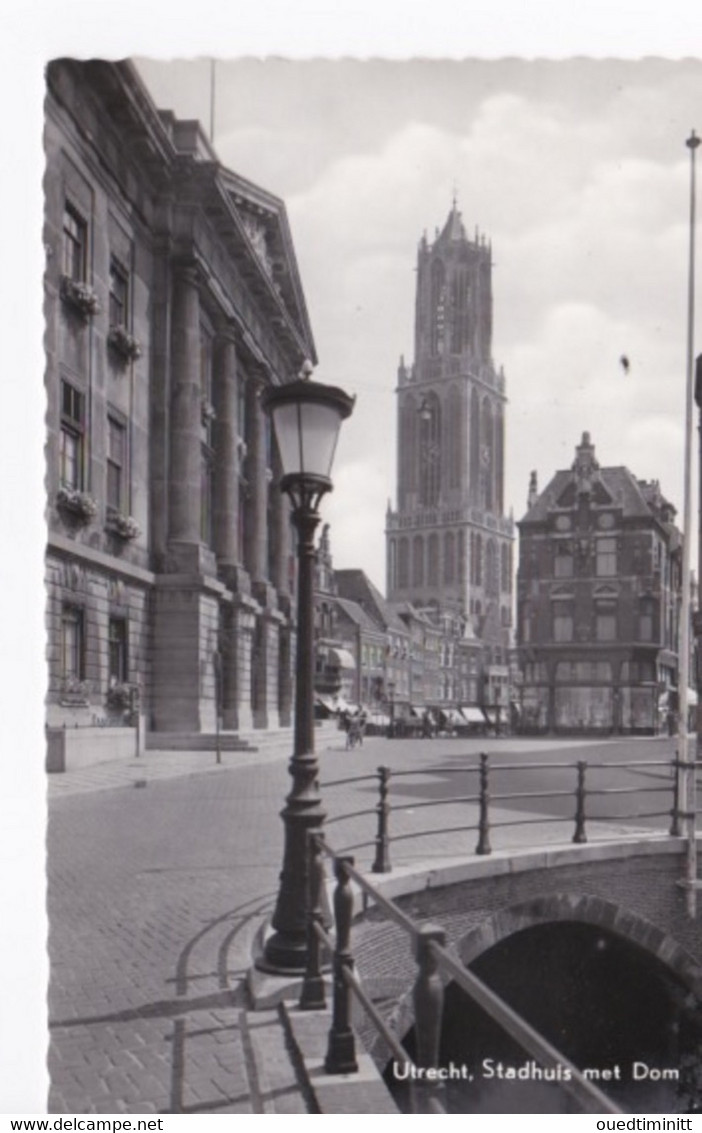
point(684, 670)
point(212, 99)
point(286, 949)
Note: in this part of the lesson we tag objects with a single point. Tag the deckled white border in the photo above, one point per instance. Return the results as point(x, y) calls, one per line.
point(30, 33)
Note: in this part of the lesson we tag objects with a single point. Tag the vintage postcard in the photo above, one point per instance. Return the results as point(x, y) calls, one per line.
point(371, 492)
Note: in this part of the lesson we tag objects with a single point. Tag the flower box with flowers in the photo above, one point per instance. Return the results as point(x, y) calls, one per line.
point(120, 697)
point(123, 526)
point(123, 343)
point(80, 296)
point(78, 504)
point(74, 693)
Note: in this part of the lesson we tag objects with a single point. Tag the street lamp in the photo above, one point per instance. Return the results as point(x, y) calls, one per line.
point(391, 699)
point(306, 417)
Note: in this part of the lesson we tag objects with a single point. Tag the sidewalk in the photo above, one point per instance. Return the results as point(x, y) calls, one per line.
point(155, 896)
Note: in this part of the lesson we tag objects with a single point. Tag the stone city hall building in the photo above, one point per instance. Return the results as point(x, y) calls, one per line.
point(598, 591)
point(172, 297)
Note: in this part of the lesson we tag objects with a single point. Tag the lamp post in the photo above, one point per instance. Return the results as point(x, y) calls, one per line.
point(306, 417)
point(391, 698)
point(686, 760)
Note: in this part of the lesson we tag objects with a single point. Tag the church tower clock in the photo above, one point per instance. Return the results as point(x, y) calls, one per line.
point(449, 544)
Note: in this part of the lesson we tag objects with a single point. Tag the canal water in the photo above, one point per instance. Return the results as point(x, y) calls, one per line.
point(605, 1004)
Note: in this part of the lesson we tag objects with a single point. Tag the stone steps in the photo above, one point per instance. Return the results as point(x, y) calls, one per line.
point(268, 740)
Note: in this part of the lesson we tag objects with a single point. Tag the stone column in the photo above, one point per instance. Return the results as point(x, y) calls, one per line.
point(186, 413)
point(282, 549)
point(256, 550)
point(225, 504)
point(282, 539)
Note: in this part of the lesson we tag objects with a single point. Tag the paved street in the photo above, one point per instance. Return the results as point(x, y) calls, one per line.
point(158, 876)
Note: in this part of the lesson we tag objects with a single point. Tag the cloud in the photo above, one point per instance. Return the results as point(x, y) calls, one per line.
point(578, 174)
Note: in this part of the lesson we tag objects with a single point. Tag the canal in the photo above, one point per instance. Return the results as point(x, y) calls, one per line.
point(611, 1008)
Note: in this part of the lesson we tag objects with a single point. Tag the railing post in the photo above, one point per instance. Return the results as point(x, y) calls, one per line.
point(341, 1049)
point(312, 995)
point(483, 846)
point(580, 835)
point(675, 825)
point(382, 844)
point(428, 996)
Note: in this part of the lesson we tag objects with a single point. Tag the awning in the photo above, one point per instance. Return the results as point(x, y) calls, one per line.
point(453, 716)
point(380, 719)
point(473, 715)
point(325, 701)
point(342, 658)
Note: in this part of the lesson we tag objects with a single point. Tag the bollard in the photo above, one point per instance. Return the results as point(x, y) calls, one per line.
point(428, 997)
point(580, 835)
point(312, 995)
point(341, 1049)
point(382, 844)
point(676, 825)
point(483, 846)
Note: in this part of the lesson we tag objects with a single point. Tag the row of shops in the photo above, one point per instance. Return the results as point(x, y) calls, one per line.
point(417, 720)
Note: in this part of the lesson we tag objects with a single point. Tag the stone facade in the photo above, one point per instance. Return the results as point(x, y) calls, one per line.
point(172, 298)
point(598, 602)
point(449, 543)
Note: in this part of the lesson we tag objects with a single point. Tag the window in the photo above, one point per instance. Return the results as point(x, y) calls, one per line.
point(606, 622)
point(449, 557)
point(606, 565)
point(433, 560)
point(562, 622)
point(72, 643)
point(117, 649)
point(75, 244)
point(116, 464)
point(119, 294)
point(506, 565)
point(71, 444)
point(646, 621)
point(563, 562)
point(418, 561)
point(403, 564)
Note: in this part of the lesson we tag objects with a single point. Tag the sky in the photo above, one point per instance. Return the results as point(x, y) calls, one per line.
point(579, 179)
point(578, 173)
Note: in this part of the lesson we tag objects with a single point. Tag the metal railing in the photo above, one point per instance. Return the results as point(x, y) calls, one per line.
point(435, 965)
point(585, 788)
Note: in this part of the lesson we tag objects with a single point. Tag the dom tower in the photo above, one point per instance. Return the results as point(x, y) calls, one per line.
point(449, 545)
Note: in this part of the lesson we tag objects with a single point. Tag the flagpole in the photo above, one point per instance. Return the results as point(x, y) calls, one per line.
point(688, 763)
point(212, 99)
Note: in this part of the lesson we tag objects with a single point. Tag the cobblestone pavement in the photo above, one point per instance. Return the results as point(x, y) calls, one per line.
point(157, 882)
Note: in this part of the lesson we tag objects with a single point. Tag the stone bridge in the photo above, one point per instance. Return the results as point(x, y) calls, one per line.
point(629, 888)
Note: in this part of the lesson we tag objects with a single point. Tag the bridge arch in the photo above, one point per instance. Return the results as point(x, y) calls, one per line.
point(585, 909)
point(564, 908)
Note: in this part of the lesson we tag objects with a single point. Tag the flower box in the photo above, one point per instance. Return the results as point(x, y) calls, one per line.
point(123, 344)
point(124, 526)
point(79, 505)
point(120, 697)
point(80, 296)
point(74, 693)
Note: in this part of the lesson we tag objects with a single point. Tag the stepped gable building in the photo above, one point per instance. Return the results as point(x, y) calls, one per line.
point(597, 601)
point(172, 297)
point(449, 543)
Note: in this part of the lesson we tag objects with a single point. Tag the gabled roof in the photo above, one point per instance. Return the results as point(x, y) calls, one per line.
point(356, 585)
point(617, 486)
point(356, 614)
